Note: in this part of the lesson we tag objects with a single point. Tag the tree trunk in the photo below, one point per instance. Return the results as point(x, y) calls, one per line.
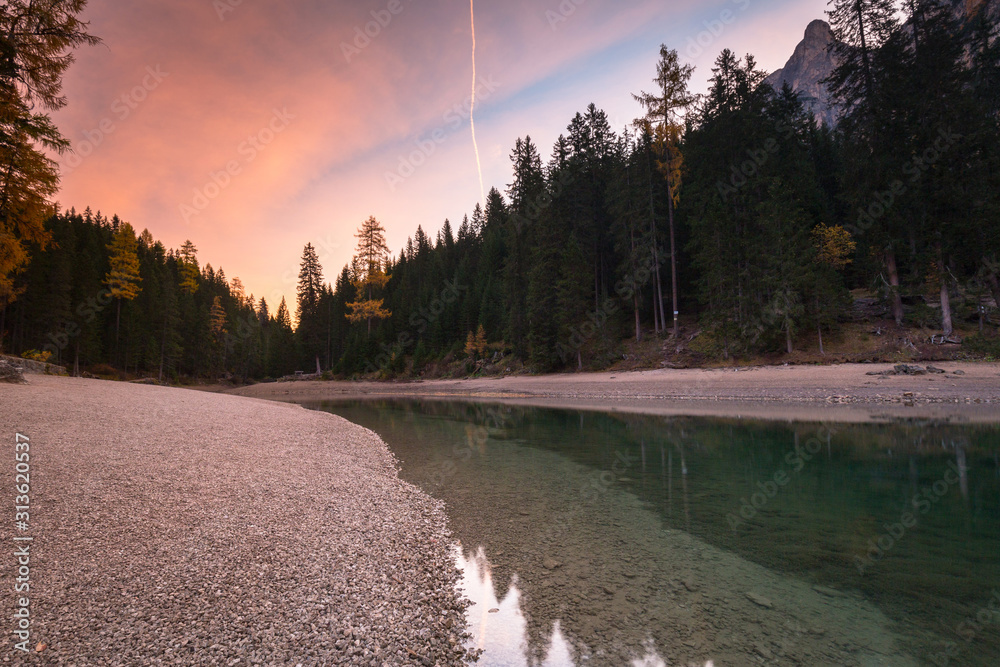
point(597, 283)
point(3, 323)
point(638, 328)
point(673, 256)
point(579, 360)
point(163, 348)
point(788, 337)
point(329, 337)
point(819, 327)
point(866, 63)
point(897, 300)
point(991, 277)
point(76, 360)
point(128, 350)
point(946, 325)
point(658, 314)
point(118, 323)
point(318, 371)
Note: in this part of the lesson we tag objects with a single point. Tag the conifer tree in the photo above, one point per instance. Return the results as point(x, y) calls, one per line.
point(834, 251)
point(369, 273)
point(525, 193)
point(38, 39)
point(870, 48)
point(309, 291)
point(123, 278)
point(217, 327)
point(189, 273)
point(663, 109)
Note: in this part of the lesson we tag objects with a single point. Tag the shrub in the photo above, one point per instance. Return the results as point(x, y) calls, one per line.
point(104, 370)
point(35, 355)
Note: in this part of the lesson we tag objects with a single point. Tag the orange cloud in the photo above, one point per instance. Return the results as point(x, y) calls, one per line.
point(201, 136)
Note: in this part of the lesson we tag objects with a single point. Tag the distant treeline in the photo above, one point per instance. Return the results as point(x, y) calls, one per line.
point(735, 211)
point(180, 319)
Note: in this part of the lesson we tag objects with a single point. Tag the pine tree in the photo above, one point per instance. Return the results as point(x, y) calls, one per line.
point(860, 27)
point(307, 312)
point(285, 354)
point(217, 327)
point(982, 145)
point(170, 347)
point(628, 224)
point(490, 275)
point(525, 193)
point(866, 84)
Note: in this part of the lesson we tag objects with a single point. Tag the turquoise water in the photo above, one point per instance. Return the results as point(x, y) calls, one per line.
point(606, 538)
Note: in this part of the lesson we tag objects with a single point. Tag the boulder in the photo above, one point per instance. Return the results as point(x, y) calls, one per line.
point(10, 373)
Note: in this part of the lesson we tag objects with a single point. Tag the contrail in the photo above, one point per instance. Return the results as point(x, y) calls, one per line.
point(472, 107)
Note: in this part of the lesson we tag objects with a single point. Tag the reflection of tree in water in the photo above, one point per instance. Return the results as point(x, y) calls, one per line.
point(519, 491)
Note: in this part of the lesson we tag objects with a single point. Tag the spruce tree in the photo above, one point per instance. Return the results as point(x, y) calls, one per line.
point(307, 312)
point(525, 194)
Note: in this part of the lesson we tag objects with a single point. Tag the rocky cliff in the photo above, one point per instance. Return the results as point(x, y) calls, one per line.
point(809, 65)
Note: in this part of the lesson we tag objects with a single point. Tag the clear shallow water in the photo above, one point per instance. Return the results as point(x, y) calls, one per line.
point(623, 539)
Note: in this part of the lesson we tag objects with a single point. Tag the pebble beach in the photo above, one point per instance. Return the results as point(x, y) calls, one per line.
point(175, 527)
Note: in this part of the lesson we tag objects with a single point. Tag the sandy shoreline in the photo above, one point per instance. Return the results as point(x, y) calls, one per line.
point(810, 393)
point(181, 527)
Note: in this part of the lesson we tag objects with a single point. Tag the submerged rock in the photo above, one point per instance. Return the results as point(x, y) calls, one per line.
point(760, 600)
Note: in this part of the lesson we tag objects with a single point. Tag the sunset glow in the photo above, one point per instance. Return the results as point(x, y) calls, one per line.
point(252, 128)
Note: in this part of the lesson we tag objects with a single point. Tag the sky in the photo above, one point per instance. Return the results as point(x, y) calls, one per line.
point(253, 127)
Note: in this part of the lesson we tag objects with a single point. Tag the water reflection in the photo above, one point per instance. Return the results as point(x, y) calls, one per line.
point(499, 627)
point(615, 539)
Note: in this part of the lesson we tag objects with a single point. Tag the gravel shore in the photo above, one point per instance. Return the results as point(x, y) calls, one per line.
point(188, 528)
point(968, 392)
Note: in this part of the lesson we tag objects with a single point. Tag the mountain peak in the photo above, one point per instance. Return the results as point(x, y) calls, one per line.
point(819, 31)
point(811, 63)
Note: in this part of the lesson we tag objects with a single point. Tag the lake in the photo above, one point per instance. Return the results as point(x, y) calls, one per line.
point(591, 538)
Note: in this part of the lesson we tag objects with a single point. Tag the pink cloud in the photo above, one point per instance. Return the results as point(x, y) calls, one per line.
point(323, 173)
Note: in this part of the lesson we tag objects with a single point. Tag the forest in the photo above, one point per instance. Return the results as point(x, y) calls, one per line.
point(733, 215)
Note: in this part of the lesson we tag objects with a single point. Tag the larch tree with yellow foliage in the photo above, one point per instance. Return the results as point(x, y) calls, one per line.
point(36, 47)
point(664, 122)
point(368, 273)
point(188, 270)
point(123, 278)
point(476, 345)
